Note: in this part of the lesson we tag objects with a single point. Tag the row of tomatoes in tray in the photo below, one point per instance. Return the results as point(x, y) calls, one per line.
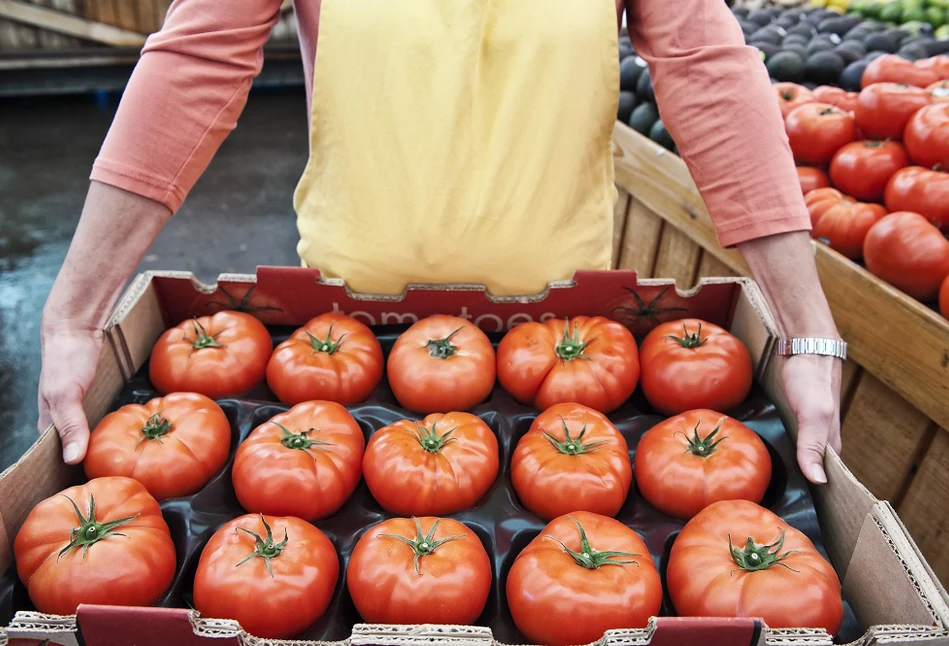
point(446, 363)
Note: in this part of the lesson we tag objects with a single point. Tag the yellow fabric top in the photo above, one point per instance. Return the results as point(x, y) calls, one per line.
point(463, 141)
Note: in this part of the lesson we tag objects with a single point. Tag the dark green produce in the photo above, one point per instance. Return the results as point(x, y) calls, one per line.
point(766, 36)
point(787, 66)
point(839, 25)
point(937, 47)
point(802, 29)
point(912, 52)
point(767, 49)
point(748, 27)
point(852, 75)
point(760, 17)
point(740, 12)
point(881, 42)
point(661, 136)
point(644, 89)
point(643, 118)
point(820, 44)
point(627, 101)
point(849, 54)
point(629, 71)
point(825, 68)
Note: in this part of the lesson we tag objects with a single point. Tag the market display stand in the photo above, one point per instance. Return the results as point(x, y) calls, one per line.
point(895, 392)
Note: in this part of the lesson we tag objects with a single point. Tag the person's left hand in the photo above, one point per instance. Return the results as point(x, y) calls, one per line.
point(812, 388)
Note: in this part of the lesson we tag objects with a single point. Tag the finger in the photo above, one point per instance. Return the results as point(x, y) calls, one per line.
point(811, 441)
point(835, 440)
point(70, 421)
point(44, 419)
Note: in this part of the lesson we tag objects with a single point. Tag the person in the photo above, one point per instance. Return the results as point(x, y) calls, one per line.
point(462, 141)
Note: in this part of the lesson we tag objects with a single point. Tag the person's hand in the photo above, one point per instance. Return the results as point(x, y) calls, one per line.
point(812, 388)
point(70, 357)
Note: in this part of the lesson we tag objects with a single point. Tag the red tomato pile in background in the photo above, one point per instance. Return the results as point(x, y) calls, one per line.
point(885, 150)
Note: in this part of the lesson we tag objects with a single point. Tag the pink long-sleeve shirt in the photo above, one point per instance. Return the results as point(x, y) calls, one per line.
point(194, 76)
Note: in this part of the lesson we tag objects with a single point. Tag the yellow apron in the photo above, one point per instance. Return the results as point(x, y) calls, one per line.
point(462, 141)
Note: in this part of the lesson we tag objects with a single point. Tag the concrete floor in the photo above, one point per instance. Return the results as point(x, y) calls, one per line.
point(238, 216)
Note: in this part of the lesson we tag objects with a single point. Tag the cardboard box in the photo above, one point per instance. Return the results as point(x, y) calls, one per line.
point(887, 582)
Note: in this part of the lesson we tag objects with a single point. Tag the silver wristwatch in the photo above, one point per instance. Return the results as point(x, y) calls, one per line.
point(812, 345)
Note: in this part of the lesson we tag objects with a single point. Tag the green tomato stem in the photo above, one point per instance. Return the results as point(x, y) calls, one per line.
point(201, 338)
point(690, 341)
point(265, 548)
point(589, 557)
point(753, 557)
point(430, 440)
point(327, 345)
point(422, 545)
point(572, 346)
point(703, 446)
point(90, 530)
point(299, 441)
point(572, 446)
point(442, 348)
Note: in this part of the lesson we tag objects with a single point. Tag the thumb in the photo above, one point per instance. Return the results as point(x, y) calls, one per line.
point(811, 442)
point(70, 421)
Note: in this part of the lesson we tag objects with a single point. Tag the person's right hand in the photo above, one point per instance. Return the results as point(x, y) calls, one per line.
point(70, 357)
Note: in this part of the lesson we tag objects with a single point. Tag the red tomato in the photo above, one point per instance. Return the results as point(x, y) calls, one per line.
point(691, 364)
point(939, 92)
point(820, 200)
point(890, 68)
point(275, 576)
point(572, 458)
point(441, 364)
point(333, 357)
point(927, 136)
point(737, 559)
point(937, 65)
point(441, 465)
point(219, 356)
point(907, 251)
point(811, 179)
point(862, 169)
point(844, 227)
point(687, 462)
point(817, 130)
point(791, 95)
point(247, 298)
point(314, 450)
point(588, 360)
point(920, 190)
point(944, 298)
point(836, 96)
point(641, 314)
point(173, 445)
point(419, 571)
point(104, 542)
point(583, 575)
point(884, 108)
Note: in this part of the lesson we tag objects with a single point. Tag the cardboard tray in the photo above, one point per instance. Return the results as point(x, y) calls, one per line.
point(888, 584)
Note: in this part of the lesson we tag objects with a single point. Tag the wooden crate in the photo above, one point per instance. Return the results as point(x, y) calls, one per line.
point(895, 395)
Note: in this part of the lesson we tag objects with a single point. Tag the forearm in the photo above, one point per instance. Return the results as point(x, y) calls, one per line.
point(114, 232)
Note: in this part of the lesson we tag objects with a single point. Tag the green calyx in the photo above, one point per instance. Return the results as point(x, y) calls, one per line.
point(90, 530)
point(299, 441)
point(589, 557)
point(242, 304)
point(570, 445)
point(155, 427)
point(265, 548)
point(423, 545)
point(690, 341)
point(753, 558)
point(650, 311)
point(703, 446)
point(327, 345)
point(442, 348)
point(201, 338)
point(572, 346)
point(430, 440)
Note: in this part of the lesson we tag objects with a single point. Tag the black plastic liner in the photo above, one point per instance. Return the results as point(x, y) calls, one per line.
point(503, 525)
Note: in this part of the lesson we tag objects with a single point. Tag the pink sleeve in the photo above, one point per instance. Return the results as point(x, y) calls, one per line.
point(716, 100)
point(184, 96)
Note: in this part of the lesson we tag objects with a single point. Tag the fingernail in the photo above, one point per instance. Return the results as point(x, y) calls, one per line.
point(71, 452)
point(817, 475)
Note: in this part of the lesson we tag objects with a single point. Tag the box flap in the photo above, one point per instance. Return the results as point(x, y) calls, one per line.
point(112, 625)
point(35, 626)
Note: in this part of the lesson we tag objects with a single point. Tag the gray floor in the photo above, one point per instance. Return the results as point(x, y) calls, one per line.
point(238, 216)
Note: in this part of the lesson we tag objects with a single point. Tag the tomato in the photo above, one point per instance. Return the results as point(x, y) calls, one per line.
point(890, 68)
point(440, 364)
point(939, 92)
point(639, 315)
point(737, 559)
point(811, 179)
point(419, 571)
point(907, 251)
point(844, 227)
point(820, 200)
point(313, 450)
point(944, 298)
point(937, 65)
point(921, 191)
point(104, 542)
point(687, 462)
point(862, 169)
point(884, 108)
point(333, 357)
point(927, 136)
point(219, 356)
point(572, 458)
point(583, 575)
point(694, 364)
point(588, 360)
point(242, 297)
point(791, 95)
point(817, 130)
point(274, 575)
point(173, 445)
point(440, 465)
point(836, 96)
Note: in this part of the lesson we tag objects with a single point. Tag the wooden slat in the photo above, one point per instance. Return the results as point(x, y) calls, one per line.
point(925, 508)
point(108, 14)
point(677, 258)
point(710, 266)
point(146, 16)
point(127, 11)
point(49, 39)
point(16, 37)
point(881, 434)
point(619, 224)
point(66, 24)
point(640, 239)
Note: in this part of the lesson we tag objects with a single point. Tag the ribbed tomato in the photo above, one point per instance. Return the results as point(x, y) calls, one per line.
point(920, 190)
point(305, 462)
point(927, 136)
point(862, 169)
point(572, 458)
point(820, 200)
point(792, 95)
point(890, 68)
point(583, 575)
point(818, 130)
point(907, 251)
point(811, 178)
point(737, 559)
point(844, 227)
point(173, 445)
point(588, 360)
point(439, 465)
point(836, 96)
point(884, 108)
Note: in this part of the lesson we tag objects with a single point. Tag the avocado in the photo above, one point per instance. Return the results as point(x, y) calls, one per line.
point(897, 33)
point(740, 11)
point(767, 49)
point(748, 28)
point(624, 53)
point(787, 66)
point(802, 29)
point(853, 45)
point(881, 43)
point(800, 50)
point(761, 17)
point(824, 68)
point(820, 44)
point(765, 36)
point(629, 71)
point(912, 52)
point(785, 23)
point(850, 79)
point(937, 47)
point(839, 26)
point(847, 54)
point(642, 118)
point(644, 87)
point(627, 101)
point(661, 136)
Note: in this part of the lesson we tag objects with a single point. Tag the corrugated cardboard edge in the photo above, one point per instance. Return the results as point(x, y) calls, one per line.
point(35, 625)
